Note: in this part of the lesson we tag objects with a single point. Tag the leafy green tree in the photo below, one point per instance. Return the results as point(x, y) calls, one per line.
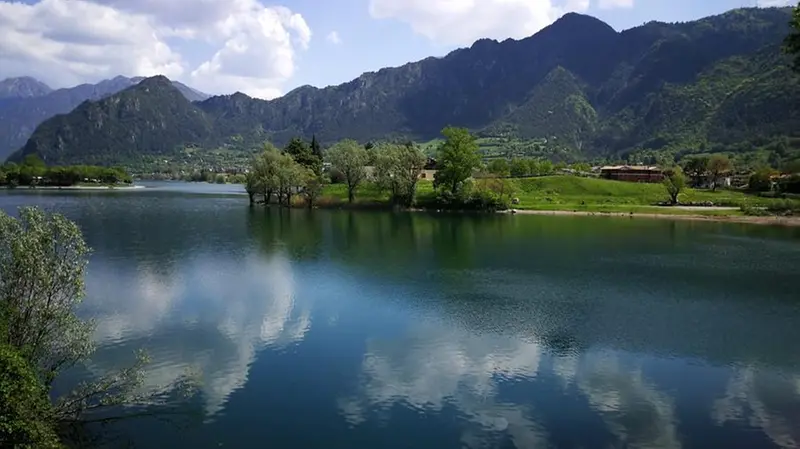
point(42, 263)
point(792, 42)
point(544, 167)
point(264, 172)
point(26, 416)
point(519, 167)
point(312, 187)
point(303, 155)
point(289, 177)
point(220, 178)
point(761, 180)
point(499, 167)
point(697, 169)
point(582, 167)
point(397, 170)
point(457, 158)
point(316, 148)
point(253, 186)
point(3, 177)
point(718, 166)
point(674, 183)
point(349, 158)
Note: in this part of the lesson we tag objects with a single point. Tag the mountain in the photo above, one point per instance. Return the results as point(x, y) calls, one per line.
point(138, 120)
point(21, 114)
point(720, 82)
point(23, 87)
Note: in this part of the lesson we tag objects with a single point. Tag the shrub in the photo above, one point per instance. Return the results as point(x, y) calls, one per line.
point(25, 411)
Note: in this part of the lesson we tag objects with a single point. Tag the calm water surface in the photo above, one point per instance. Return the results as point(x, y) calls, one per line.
point(331, 329)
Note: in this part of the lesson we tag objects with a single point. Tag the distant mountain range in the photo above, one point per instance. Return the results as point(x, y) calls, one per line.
point(718, 83)
point(26, 102)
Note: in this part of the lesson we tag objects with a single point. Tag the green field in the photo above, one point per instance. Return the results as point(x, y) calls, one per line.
point(573, 193)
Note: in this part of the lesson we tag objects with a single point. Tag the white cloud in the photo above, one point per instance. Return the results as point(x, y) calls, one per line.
point(334, 38)
point(461, 22)
point(610, 4)
point(235, 44)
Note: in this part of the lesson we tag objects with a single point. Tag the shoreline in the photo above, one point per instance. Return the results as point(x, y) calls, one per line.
point(133, 187)
point(744, 219)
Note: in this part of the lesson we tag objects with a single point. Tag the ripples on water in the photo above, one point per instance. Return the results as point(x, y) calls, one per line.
point(335, 329)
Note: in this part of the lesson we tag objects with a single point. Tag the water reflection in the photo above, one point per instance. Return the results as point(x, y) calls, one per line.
point(211, 315)
point(449, 331)
point(431, 370)
point(763, 400)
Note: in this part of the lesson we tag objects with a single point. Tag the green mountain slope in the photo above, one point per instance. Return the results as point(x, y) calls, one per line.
point(152, 117)
point(717, 82)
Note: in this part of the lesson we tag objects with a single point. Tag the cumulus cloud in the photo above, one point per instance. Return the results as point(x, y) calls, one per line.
point(219, 46)
point(461, 22)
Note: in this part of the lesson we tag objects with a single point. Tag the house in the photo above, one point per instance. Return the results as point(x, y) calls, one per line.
point(632, 173)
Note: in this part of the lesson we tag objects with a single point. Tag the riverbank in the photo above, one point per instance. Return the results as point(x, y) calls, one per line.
point(761, 220)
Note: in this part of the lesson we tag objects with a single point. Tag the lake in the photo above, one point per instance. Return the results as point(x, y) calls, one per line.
point(337, 329)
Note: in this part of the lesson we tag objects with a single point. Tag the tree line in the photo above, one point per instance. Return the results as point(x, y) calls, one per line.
point(395, 168)
point(32, 171)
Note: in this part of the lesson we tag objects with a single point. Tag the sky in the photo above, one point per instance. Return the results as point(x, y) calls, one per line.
point(266, 49)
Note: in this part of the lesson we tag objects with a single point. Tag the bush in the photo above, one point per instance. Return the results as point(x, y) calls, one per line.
point(25, 411)
point(220, 179)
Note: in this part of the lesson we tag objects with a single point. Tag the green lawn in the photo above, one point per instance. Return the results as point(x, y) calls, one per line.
point(578, 194)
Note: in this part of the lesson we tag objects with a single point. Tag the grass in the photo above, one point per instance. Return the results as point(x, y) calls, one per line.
point(571, 193)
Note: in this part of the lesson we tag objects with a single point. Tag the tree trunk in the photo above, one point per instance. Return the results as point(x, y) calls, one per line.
point(252, 197)
point(351, 194)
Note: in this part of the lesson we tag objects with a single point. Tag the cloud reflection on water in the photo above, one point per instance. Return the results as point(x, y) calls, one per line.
point(211, 317)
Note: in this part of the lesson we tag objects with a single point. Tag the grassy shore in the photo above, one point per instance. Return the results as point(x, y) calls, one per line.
point(585, 195)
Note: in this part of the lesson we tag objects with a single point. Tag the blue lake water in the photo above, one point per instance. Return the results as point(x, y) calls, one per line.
point(336, 329)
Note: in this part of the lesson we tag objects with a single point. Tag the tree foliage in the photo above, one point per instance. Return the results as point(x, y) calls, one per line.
point(26, 417)
point(718, 166)
point(697, 169)
point(397, 170)
point(792, 42)
point(42, 262)
point(674, 183)
point(457, 158)
point(349, 158)
point(304, 154)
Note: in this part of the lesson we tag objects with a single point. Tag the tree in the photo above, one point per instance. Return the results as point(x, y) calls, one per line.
point(43, 258)
point(26, 416)
point(499, 167)
point(252, 185)
point(761, 180)
point(289, 177)
point(303, 155)
point(349, 158)
point(264, 176)
point(697, 169)
point(718, 165)
point(792, 41)
point(519, 168)
point(398, 168)
point(312, 187)
point(316, 149)
point(675, 183)
point(457, 158)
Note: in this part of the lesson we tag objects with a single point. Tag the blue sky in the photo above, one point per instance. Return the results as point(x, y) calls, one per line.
point(266, 49)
